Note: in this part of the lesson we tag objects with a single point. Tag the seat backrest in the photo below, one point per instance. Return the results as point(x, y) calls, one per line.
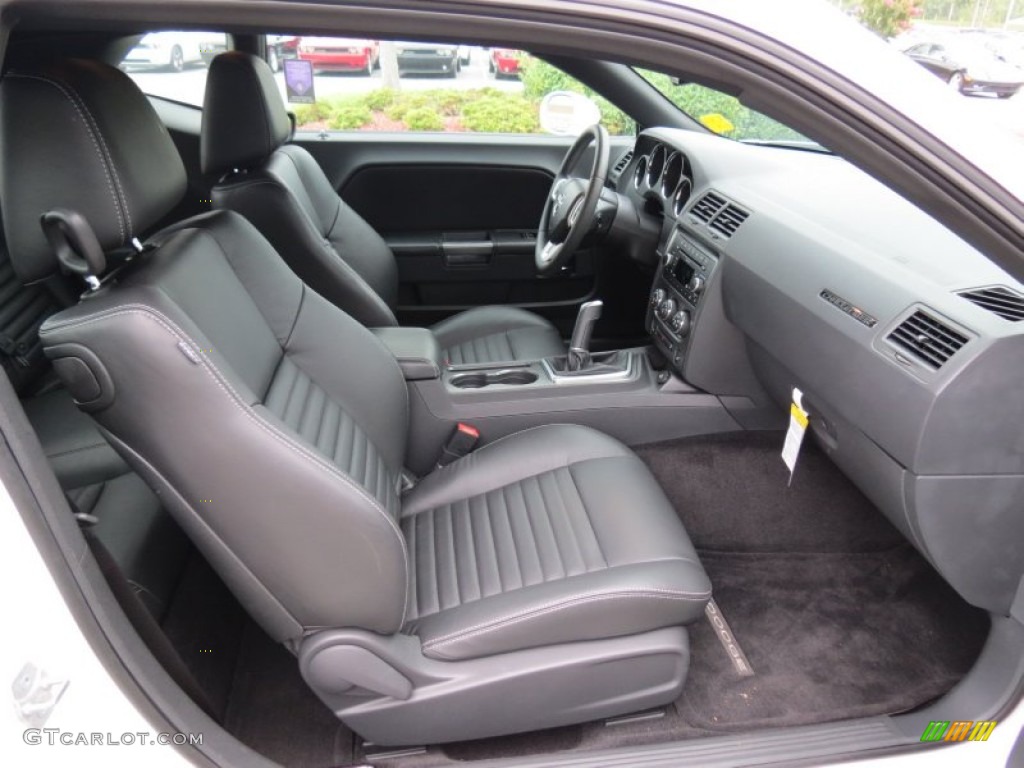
point(284, 192)
point(272, 424)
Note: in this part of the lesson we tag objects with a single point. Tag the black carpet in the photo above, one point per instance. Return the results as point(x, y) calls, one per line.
point(204, 624)
point(252, 682)
point(838, 615)
point(829, 636)
point(732, 495)
point(273, 711)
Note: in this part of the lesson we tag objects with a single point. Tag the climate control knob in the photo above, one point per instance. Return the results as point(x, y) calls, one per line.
point(657, 296)
point(696, 284)
point(680, 322)
point(666, 308)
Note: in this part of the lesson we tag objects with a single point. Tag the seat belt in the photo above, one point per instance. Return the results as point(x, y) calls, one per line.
point(141, 619)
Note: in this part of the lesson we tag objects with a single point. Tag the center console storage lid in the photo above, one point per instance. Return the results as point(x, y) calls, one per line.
point(416, 350)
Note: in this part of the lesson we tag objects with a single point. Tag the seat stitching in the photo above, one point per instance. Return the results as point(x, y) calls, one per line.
point(110, 158)
point(298, 172)
point(246, 409)
point(92, 136)
point(543, 610)
point(507, 517)
point(471, 548)
point(254, 82)
point(74, 96)
point(564, 558)
point(449, 469)
point(349, 272)
point(414, 581)
point(547, 426)
point(451, 556)
point(432, 552)
point(68, 451)
point(534, 542)
point(490, 538)
point(573, 520)
point(590, 522)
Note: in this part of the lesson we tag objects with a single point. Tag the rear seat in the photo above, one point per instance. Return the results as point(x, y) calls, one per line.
point(143, 540)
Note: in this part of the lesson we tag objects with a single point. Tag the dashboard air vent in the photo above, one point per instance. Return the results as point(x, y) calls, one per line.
point(927, 339)
point(620, 166)
point(707, 206)
point(999, 301)
point(728, 220)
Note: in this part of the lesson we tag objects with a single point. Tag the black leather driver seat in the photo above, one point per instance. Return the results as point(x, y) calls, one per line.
point(281, 189)
point(541, 580)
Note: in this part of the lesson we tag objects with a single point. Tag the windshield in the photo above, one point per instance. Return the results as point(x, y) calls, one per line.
point(724, 114)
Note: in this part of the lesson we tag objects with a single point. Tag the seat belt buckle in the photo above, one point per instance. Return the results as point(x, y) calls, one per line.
point(462, 441)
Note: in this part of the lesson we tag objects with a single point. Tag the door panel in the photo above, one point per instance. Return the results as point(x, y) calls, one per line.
point(447, 198)
point(460, 212)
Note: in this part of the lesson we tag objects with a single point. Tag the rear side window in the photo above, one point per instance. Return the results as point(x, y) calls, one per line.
point(172, 65)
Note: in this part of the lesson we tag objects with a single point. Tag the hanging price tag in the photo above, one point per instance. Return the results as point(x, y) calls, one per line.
point(798, 420)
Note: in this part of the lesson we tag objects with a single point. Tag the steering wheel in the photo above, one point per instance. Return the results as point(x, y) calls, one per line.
point(570, 207)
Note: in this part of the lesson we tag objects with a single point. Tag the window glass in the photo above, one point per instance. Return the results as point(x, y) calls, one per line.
point(172, 65)
point(722, 113)
point(369, 85)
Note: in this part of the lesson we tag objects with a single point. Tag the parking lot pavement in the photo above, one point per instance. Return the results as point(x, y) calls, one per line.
point(1002, 113)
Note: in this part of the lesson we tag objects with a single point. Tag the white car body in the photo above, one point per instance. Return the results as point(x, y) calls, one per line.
point(40, 627)
point(157, 49)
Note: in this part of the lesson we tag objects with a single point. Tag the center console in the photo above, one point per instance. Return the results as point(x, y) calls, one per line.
point(627, 393)
point(684, 271)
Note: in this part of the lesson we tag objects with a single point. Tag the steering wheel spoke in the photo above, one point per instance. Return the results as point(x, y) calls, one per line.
point(571, 206)
point(550, 252)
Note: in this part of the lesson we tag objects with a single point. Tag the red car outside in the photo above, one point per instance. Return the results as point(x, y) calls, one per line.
point(505, 62)
point(340, 54)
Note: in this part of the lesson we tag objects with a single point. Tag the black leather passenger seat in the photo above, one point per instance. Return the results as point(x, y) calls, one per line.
point(540, 581)
point(282, 190)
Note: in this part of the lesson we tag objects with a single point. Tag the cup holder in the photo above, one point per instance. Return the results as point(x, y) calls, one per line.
point(478, 379)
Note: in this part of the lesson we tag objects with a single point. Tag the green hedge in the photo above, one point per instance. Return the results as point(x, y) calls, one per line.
point(701, 103)
point(490, 110)
point(484, 110)
point(504, 113)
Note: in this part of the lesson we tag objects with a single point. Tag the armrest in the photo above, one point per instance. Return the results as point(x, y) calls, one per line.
point(416, 350)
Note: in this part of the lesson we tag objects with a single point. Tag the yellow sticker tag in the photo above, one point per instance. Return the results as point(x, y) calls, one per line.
point(798, 414)
point(798, 420)
point(718, 123)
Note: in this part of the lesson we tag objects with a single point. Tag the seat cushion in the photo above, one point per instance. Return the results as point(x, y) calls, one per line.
point(497, 334)
point(551, 535)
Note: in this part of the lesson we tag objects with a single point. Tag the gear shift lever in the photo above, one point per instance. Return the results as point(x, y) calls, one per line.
point(579, 346)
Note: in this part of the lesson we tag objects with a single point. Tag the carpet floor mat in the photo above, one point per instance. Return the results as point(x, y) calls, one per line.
point(829, 637)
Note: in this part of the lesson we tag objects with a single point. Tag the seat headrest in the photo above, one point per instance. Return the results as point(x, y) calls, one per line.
point(80, 135)
point(244, 116)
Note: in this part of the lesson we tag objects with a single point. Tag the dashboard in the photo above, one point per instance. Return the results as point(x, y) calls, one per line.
point(780, 268)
